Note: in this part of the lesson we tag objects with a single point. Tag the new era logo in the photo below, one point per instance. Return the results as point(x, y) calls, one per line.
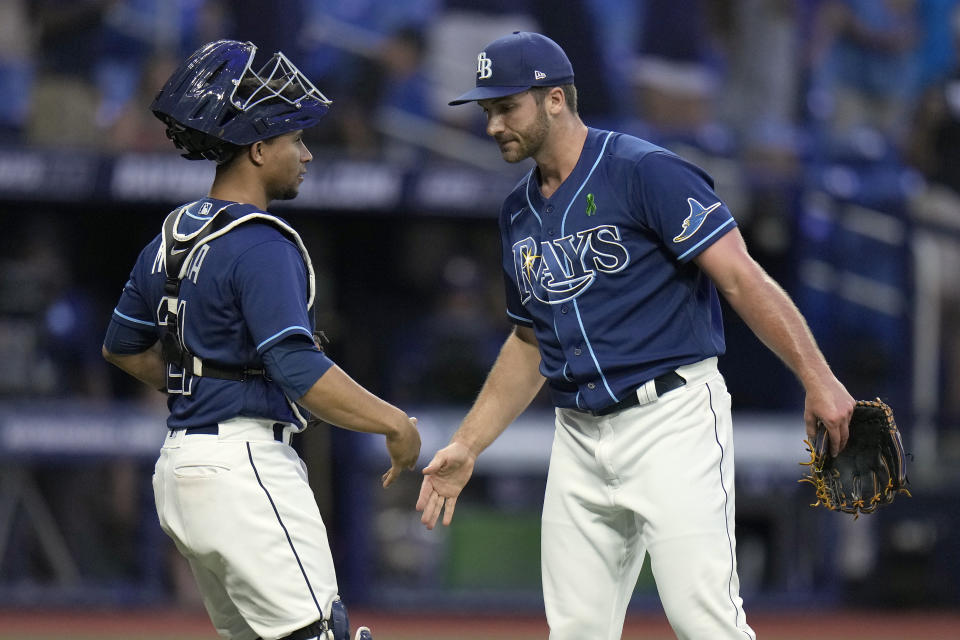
point(539, 75)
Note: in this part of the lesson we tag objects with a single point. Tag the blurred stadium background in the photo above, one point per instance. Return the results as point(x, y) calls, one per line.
point(831, 127)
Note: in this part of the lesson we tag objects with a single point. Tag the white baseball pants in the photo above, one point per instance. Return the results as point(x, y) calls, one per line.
point(657, 479)
point(239, 508)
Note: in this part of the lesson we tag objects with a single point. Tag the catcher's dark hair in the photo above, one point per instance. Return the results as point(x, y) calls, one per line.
point(249, 85)
point(569, 95)
point(199, 145)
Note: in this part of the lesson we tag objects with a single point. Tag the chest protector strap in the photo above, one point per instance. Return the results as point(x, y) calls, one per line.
point(178, 251)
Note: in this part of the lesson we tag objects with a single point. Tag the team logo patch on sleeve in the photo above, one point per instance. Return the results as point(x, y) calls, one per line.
point(693, 222)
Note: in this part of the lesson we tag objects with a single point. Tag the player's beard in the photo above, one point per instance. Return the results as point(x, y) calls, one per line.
point(528, 141)
point(288, 192)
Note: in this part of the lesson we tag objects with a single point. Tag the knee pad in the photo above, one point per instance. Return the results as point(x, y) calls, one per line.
point(339, 621)
point(339, 627)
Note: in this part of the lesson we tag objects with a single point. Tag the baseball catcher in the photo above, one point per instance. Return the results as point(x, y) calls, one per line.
point(218, 313)
point(868, 472)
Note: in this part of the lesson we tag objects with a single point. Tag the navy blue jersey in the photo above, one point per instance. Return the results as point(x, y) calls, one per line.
point(602, 269)
point(242, 293)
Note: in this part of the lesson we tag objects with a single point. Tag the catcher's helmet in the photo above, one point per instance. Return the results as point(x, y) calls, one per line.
point(215, 101)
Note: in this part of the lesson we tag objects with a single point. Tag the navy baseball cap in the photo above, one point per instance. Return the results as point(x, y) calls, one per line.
point(517, 62)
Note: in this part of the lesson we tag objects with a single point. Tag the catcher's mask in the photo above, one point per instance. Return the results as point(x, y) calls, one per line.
point(215, 102)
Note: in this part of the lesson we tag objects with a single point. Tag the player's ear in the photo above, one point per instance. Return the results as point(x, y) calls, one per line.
point(556, 100)
point(255, 153)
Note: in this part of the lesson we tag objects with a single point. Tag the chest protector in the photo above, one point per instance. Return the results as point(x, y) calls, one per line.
point(178, 250)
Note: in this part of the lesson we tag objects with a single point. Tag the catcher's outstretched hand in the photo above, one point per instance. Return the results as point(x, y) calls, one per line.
point(830, 405)
point(404, 449)
point(443, 480)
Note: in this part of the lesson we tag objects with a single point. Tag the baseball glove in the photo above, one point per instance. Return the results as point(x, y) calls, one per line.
point(868, 472)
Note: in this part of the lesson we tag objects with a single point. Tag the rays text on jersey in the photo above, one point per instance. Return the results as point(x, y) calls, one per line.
point(561, 269)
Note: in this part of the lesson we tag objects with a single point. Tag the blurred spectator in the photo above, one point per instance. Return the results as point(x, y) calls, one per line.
point(864, 65)
point(935, 138)
point(139, 36)
point(54, 320)
point(204, 21)
point(131, 31)
point(70, 341)
point(674, 78)
point(759, 100)
point(28, 275)
point(574, 29)
point(443, 356)
point(135, 128)
point(618, 25)
point(935, 151)
point(95, 55)
point(342, 42)
point(272, 26)
point(17, 67)
point(404, 108)
point(68, 34)
point(405, 86)
point(64, 98)
point(937, 46)
point(456, 37)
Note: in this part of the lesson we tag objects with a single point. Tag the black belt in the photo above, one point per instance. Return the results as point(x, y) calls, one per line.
point(214, 430)
point(667, 382)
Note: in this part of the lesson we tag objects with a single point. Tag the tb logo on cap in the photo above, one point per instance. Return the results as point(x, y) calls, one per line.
point(484, 66)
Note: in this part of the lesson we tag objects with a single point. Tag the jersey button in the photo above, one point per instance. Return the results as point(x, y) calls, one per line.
point(549, 232)
point(591, 385)
point(563, 308)
point(549, 208)
point(577, 351)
